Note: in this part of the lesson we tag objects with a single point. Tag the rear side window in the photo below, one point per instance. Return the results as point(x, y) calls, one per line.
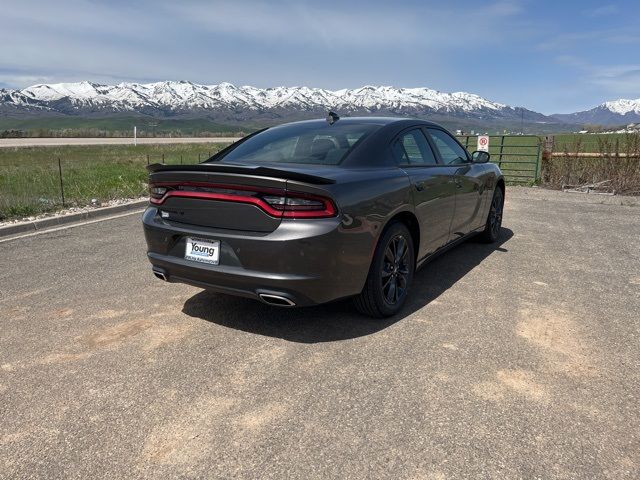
point(450, 151)
point(301, 143)
point(412, 148)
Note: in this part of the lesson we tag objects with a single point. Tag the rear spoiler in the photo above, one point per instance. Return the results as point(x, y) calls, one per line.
point(244, 170)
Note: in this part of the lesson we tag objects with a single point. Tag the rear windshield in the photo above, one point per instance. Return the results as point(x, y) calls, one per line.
point(301, 143)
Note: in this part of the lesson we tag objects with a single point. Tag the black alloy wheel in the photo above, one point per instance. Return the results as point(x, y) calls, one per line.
point(492, 228)
point(390, 275)
point(395, 271)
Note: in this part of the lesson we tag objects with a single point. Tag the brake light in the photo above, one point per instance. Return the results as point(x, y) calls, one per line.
point(157, 192)
point(273, 201)
point(299, 205)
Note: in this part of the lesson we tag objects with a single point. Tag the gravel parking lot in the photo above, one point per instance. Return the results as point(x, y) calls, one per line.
point(519, 360)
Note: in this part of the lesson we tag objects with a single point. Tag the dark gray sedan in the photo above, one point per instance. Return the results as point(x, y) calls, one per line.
point(310, 212)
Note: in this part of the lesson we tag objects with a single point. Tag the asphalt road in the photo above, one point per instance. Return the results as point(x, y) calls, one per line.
point(47, 142)
point(515, 361)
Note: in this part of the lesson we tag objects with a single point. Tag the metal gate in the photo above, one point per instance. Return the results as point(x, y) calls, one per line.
point(518, 156)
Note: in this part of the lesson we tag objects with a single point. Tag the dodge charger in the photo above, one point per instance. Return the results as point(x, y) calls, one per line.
point(309, 212)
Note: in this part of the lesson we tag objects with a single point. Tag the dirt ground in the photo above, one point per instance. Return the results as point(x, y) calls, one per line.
point(518, 360)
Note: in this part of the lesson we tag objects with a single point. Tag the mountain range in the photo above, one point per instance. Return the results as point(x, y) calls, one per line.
point(227, 103)
point(616, 112)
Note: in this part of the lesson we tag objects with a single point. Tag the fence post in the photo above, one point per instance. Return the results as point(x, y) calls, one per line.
point(538, 162)
point(545, 158)
point(147, 159)
point(162, 157)
point(180, 159)
point(501, 151)
point(61, 182)
point(198, 158)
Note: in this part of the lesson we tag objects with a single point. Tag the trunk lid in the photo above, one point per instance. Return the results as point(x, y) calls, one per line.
point(235, 197)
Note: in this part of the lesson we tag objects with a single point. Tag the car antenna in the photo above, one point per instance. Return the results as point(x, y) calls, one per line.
point(332, 117)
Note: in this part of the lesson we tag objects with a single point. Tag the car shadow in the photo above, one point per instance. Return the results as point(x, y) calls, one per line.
point(339, 320)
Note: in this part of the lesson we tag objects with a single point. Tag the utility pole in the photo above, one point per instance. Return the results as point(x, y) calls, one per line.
point(135, 135)
point(521, 121)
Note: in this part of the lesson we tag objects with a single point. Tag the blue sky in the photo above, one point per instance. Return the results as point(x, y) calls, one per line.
point(552, 57)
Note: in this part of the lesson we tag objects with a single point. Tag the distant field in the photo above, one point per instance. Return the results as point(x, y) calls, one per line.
point(92, 127)
point(589, 142)
point(62, 141)
point(30, 177)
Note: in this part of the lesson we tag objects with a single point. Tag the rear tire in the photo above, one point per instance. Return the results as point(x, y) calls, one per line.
point(390, 274)
point(491, 231)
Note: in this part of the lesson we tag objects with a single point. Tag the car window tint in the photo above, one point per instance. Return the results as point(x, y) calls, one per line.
point(450, 151)
point(283, 147)
point(412, 148)
point(399, 152)
point(322, 144)
point(352, 138)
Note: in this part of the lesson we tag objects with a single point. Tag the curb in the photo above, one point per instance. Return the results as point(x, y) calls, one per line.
point(43, 223)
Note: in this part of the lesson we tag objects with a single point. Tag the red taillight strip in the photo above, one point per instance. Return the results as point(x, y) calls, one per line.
point(328, 211)
point(220, 197)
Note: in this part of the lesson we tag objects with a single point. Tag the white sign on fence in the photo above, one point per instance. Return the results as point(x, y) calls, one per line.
point(483, 143)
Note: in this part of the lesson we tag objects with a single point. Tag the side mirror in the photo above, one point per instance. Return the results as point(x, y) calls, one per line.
point(480, 156)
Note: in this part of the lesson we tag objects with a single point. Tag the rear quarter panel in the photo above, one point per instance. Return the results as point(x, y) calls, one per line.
point(491, 175)
point(366, 199)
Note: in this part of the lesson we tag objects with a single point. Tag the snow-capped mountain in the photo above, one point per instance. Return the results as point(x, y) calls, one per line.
point(616, 112)
point(228, 102)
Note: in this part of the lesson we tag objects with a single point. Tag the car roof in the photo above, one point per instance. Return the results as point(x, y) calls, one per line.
point(366, 120)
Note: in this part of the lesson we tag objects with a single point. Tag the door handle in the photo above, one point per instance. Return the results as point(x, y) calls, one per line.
point(419, 186)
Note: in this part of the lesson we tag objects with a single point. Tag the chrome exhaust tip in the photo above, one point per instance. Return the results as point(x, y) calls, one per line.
point(160, 274)
point(276, 300)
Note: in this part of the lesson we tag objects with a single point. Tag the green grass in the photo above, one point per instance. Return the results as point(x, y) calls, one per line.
point(589, 142)
point(30, 176)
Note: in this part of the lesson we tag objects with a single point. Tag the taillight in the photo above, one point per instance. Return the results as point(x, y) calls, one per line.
point(301, 205)
point(157, 192)
point(275, 202)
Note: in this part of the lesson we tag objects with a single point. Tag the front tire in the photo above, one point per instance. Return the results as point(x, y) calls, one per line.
point(491, 231)
point(390, 274)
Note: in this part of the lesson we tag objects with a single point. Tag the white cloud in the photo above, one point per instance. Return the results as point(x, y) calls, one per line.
point(613, 80)
point(603, 10)
point(210, 41)
point(350, 25)
point(621, 80)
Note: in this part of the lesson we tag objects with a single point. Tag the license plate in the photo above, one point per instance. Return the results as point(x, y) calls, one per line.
point(204, 251)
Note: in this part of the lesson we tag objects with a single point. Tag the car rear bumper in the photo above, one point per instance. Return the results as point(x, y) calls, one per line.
point(304, 262)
